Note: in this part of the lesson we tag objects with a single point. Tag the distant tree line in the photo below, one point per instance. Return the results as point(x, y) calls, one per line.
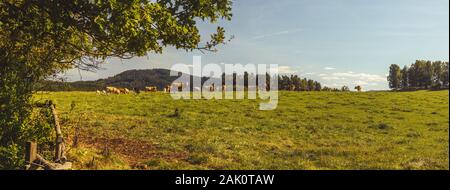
point(288, 83)
point(420, 75)
point(139, 79)
point(295, 83)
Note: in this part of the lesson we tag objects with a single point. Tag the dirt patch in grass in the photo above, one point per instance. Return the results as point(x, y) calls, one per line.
point(133, 151)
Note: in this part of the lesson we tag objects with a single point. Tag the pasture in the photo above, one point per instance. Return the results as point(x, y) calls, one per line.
point(308, 130)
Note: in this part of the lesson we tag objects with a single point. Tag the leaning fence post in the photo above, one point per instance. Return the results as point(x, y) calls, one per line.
point(34, 160)
point(59, 150)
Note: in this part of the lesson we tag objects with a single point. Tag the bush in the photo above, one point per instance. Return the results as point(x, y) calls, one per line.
point(39, 128)
point(11, 157)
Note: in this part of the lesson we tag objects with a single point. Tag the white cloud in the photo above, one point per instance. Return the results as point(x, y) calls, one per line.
point(331, 78)
point(362, 83)
point(285, 70)
point(285, 32)
point(360, 76)
point(329, 68)
point(339, 79)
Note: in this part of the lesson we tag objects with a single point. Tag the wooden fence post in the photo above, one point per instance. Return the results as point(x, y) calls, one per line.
point(30, 152)
point(59, 142)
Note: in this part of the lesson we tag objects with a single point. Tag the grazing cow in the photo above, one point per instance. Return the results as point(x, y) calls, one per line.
point(151, 89)
point(124, 90)
point(167, 89)
point(112, 90)
point(103, 92)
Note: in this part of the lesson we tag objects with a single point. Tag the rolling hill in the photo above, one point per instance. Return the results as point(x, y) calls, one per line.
point(129, 79)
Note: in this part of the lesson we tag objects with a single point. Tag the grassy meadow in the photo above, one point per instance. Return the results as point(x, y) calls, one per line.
point(308, 130)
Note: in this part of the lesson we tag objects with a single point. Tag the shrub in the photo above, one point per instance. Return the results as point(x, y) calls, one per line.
point(11, 157)
point(39, 128)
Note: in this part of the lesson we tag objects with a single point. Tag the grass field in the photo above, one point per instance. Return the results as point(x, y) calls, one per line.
point(308, 130)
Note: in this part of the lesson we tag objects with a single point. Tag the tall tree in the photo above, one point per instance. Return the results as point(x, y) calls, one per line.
point(437, 68)
point(427, 75)
point(304, 84)
point(394, 77)
point(311, 85)
point(445, 75)
point(317, 86)
point(296, 82)
point(405, 76)
point(412, 76)
point(268, 79)
point(39, 39)
point(345, 89)
point(285, 82)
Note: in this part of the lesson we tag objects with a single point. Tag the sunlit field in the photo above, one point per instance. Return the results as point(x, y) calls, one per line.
point(308, 130)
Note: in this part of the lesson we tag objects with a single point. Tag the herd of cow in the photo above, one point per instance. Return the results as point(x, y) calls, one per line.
point(167, 89)
point(116, 90)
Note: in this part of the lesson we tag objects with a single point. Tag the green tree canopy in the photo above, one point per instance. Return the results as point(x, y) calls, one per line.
point(394, 76)
point(421, 74)
point(405, 77)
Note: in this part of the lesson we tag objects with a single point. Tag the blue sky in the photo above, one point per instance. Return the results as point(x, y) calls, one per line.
point(337, 42)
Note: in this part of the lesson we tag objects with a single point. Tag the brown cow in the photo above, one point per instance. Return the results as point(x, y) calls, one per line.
point(151, 89)
point(167, 89)
point(112, 90)
point(124, 90)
